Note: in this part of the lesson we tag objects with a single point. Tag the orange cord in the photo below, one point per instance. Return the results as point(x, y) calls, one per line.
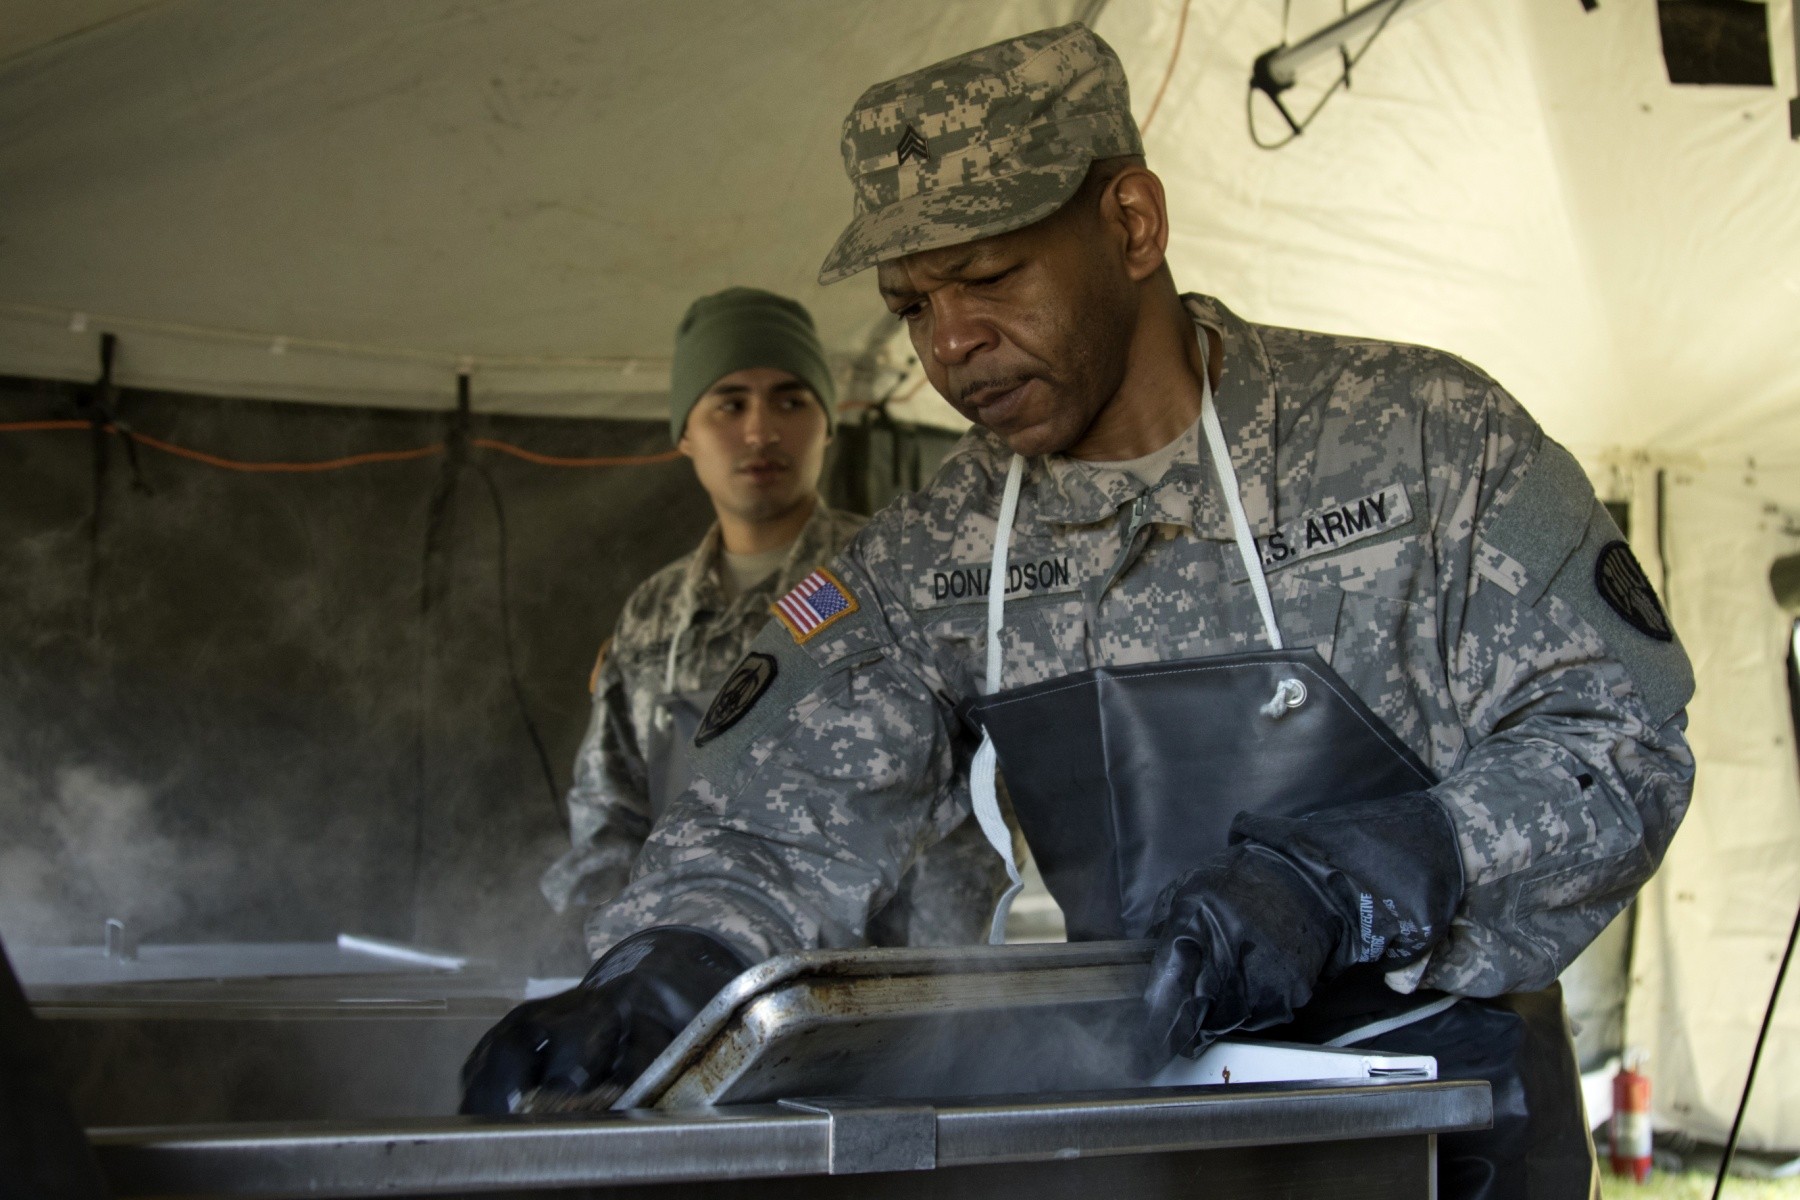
point(40, 426)
point(1180, 30)
point(552, 460)
point(352, 460)
point(284, 468)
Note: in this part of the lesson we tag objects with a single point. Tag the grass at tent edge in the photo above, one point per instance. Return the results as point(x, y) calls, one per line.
point(1695, 1185)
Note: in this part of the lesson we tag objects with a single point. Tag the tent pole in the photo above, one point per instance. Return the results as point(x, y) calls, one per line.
point(1762, 1035)
point(1784, 581)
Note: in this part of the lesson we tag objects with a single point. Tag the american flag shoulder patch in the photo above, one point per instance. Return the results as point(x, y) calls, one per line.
point(815, 602)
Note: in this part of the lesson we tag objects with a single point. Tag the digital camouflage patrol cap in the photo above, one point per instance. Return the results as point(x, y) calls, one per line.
point(980, 144)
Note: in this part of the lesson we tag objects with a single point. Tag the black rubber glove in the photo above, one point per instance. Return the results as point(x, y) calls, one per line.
point(1292, 902)
point(605, 1030)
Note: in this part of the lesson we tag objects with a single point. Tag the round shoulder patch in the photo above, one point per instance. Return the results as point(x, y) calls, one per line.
point(1622, 585)
point(737, 695)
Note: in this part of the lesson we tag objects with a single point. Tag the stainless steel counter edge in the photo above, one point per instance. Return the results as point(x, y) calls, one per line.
point(456, 1155)
point(1205, 1119)
point(461, 1155)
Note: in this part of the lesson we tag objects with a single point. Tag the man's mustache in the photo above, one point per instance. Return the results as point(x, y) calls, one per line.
point(1004, 383)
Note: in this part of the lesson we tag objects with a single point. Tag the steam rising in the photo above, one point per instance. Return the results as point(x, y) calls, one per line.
point(97, 852)
point(91, 845)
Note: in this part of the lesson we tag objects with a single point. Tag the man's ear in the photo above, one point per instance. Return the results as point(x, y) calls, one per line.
point(683, 445)
point(1134, 200)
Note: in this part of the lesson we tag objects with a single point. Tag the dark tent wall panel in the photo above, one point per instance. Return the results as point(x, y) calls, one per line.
point(250, 707)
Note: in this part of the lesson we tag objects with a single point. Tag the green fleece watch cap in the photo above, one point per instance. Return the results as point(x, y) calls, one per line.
point(745, 327)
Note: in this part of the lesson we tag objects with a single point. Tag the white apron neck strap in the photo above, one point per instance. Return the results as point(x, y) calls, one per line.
point(1240, 524)
point(661, 713)
point(996, 599)
point(981, 771)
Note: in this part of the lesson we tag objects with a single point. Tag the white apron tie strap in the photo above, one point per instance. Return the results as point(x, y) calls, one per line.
point(662, 717)
point(681, 628)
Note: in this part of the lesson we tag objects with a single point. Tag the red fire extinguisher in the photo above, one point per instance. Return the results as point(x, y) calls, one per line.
point(1629, 1129)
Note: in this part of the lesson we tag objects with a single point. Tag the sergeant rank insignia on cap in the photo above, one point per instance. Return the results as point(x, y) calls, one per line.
point(815, 603)
point(1014, 128)
point(911, 146)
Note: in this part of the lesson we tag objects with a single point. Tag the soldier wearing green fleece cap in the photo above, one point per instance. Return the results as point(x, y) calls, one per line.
point(740, 328)
point(752, 404)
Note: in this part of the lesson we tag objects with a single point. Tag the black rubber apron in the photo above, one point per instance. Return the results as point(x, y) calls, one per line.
point(1124, 778)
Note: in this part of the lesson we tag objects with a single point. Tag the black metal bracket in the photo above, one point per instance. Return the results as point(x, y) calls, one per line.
point(1264, 81)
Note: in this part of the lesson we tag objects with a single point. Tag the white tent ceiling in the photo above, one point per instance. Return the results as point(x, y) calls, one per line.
point(380, 191)
point(390, 188)
point(344, 201)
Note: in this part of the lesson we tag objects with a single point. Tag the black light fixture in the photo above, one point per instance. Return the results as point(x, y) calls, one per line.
point(1278, 68)
point(1716, 42)
point(1794, 104)
point(1784, 581)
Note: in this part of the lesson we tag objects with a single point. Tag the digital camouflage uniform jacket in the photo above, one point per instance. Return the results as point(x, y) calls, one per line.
point(1445, 557)
point(609, 806)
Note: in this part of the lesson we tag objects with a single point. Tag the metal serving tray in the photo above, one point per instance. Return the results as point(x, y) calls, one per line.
point(911, 1023)
point(907, 1024)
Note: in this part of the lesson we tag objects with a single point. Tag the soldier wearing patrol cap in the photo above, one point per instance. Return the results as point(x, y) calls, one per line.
point(1310, 656)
